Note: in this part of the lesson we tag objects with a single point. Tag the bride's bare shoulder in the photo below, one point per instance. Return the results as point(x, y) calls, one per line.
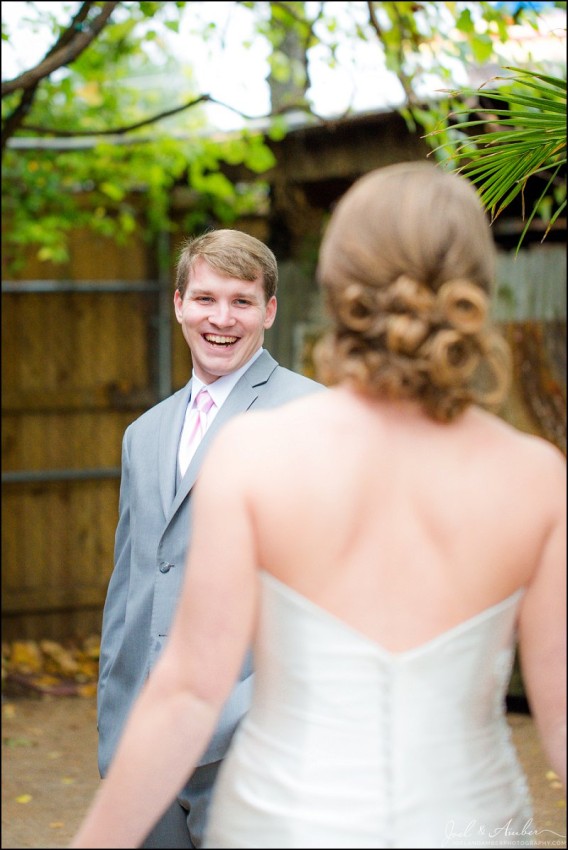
point(516, 446)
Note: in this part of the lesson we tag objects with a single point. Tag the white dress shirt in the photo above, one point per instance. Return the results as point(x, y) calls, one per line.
point(219, 391)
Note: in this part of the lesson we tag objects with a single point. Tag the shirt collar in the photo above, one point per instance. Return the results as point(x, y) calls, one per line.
point(220, 389)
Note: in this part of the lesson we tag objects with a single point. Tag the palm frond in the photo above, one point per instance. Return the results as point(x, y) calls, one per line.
point(520, 134)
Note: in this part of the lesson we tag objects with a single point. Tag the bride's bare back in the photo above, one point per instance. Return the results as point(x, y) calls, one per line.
point(399, 525)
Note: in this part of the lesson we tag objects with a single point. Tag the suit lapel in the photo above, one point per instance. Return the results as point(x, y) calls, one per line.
point(241, 397)
point(171, 423)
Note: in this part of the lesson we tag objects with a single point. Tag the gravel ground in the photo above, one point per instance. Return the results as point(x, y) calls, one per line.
point(49, 772)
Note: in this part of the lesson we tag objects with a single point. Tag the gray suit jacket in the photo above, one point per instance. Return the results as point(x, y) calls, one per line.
point(152, 536)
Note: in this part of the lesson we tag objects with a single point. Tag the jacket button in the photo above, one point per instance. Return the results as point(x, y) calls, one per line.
point(165, 567)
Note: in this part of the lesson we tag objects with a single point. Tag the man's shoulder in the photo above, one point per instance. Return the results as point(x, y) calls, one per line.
point(154, 413)
point(297, 379)
point(285, 385)
point(268, 377)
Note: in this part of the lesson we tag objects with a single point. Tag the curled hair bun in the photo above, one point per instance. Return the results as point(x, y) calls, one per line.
point(452, 358)
point(406, 294)
point(463, 305)
point(355, 358)
point(407, 288)
point(405, 334)
point(356, 307)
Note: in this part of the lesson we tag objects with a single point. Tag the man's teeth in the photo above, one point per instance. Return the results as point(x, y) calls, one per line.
point(220, 340)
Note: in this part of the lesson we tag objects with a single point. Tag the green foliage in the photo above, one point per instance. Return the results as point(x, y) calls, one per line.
point(48, 192)
point(519, 136)
point(47, 195)
point(143, 117)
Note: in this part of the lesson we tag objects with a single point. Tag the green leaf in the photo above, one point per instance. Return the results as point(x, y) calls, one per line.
point(112, 190)
point(482, 47)
point(464, 23)
point(260, 159)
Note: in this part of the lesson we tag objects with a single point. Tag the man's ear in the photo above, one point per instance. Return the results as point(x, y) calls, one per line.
point(178, 305)
point(271, 307)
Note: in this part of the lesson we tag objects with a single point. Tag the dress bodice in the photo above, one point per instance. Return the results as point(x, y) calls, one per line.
point(349, 745)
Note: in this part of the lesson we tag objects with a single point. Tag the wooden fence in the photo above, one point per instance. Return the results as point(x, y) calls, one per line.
point(81, 358)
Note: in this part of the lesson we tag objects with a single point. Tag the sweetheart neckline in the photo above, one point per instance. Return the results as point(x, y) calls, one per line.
point(464, 625)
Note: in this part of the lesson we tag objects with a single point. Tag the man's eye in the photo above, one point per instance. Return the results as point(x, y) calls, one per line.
point(242, 301)
point(204, 298)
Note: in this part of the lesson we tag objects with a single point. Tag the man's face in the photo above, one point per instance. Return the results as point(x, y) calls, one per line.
point(223, 320)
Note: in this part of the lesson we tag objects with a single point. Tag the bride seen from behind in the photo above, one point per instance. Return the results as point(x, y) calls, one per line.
point(382, 546)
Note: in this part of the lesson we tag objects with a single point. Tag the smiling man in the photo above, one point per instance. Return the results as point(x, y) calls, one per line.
point(222, 315)
point(225, 299)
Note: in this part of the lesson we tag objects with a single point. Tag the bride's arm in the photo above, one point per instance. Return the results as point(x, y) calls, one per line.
point(174, 717)
point(542, 628)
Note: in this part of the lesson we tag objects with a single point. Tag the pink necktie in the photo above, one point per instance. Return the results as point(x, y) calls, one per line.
point(197, 422)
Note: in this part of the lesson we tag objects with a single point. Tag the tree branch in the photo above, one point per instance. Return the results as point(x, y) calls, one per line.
point(373, 20)
point(203, 98)
point(17, 117)
point(71, 48)
point(127, 128)
point(402, 77)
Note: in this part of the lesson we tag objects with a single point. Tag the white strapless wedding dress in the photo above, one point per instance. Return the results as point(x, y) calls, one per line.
point(349, 745)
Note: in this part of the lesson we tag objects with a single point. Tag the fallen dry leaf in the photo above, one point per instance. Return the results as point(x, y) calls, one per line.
point(26, 655)
point(58, 659)
point(48, 667)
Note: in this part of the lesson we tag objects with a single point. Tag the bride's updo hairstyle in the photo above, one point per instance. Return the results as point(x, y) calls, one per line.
point(406, 266)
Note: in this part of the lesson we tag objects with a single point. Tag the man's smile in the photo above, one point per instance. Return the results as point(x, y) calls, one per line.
point(218, 339)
